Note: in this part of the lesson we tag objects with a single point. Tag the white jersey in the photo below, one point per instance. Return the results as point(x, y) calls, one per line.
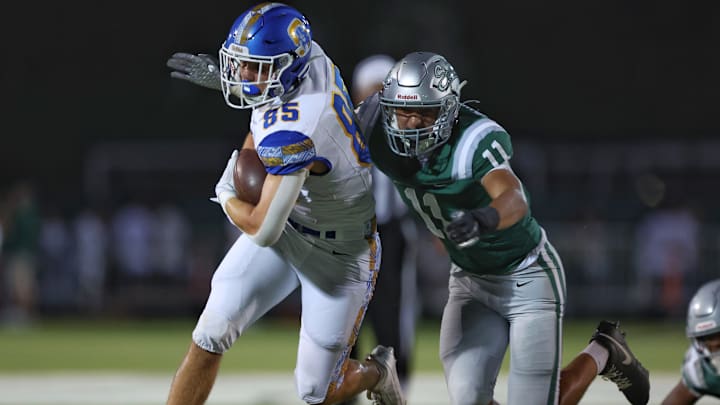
point(316, 125)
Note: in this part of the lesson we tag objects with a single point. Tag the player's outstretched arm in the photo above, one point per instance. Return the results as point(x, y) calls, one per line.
point(201, 69)
point(680, 395)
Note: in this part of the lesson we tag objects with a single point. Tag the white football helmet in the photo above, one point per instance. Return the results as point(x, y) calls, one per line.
point(703, 319)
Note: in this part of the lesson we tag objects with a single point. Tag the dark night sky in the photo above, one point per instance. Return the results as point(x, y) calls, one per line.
point(77, 74)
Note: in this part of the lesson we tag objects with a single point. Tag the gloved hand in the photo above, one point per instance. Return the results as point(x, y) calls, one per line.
point(201, 69)
point(467, 226)
point(225, 189)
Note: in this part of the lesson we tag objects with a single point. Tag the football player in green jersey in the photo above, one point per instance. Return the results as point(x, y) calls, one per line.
point(701, 366)
point(451, 165)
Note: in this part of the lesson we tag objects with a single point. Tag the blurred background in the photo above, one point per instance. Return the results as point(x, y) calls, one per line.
point(106, 163)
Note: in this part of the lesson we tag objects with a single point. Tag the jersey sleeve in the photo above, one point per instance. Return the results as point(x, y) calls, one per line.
point(484, 146)
point(699, 376)
point(285, 152)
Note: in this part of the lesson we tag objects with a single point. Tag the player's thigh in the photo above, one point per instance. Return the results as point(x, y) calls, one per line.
point(536, 345)
point(332, 311)
point(249, 281)
point(536, 312)
point(473, 341)
point(337, 282)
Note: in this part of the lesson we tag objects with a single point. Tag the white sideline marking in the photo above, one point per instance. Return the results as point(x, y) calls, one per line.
point(246, 389)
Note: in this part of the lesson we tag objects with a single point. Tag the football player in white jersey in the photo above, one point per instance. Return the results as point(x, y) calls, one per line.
point(701, 366)
point(313, 227)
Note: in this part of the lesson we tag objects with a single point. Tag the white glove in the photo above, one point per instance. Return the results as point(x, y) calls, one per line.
point(225, 189)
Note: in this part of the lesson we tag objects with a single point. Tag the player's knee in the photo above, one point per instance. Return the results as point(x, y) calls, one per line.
point(311, 390)
point(214, 333)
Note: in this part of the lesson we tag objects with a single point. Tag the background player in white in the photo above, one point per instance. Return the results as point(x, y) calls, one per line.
point(313, 227)
point(451, 164)
point(701, 365)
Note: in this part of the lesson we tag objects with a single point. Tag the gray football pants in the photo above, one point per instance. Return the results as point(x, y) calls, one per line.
point(485, 314)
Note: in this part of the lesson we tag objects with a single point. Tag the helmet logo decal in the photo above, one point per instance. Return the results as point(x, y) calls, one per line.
point(444, 77)
point(702, 326)
point(300, 36)
point(407, 97)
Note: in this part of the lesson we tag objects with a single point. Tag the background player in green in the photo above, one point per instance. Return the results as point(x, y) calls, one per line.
point(451, 165)
point(701, 365)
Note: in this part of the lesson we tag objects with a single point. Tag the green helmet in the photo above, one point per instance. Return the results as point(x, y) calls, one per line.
point(703, 317)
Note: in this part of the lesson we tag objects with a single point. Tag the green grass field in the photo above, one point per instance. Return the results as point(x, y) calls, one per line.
point(158, 345)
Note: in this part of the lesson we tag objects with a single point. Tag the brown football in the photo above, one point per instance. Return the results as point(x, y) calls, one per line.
point(249, 176)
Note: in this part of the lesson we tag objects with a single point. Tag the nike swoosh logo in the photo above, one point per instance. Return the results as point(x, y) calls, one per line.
point(519, 284)
point(628, 358)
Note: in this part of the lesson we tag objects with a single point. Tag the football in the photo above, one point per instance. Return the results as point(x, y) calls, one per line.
point(249, 176)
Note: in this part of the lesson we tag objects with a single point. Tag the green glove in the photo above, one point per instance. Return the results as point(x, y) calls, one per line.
point(201, 69)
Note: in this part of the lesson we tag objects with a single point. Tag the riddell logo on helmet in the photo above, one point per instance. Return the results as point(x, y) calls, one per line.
point(407, 97)
point(702, 326)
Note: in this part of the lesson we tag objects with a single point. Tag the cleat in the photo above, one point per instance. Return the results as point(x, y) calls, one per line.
point(387, 391)
point(622, 367)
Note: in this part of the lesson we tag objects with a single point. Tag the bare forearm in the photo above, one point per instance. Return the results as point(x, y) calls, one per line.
point(511, 207)
point(680, 396)
point(244, 215)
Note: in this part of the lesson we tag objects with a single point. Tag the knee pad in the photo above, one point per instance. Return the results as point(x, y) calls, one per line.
point(326, 341)
point(214, 333)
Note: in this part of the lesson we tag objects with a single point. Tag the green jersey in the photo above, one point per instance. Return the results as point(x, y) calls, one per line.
point(699, 375)
point(450, 181)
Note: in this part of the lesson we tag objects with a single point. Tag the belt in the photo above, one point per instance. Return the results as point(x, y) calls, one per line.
point(368, 229)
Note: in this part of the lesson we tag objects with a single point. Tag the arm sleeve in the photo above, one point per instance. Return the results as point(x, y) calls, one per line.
point(280, 208)
point(287, 154)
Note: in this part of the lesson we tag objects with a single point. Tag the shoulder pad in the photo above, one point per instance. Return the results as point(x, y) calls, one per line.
point(284, 152)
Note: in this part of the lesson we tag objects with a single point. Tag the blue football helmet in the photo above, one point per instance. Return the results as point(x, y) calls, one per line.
point(703, 319)
point(274, 38)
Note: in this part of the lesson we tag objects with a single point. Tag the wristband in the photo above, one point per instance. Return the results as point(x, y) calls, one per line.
point(487, 217)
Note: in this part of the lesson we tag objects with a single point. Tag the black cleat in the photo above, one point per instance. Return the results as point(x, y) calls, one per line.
point(622, 367)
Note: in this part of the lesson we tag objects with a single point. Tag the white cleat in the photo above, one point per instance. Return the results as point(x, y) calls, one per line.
point(388, 390)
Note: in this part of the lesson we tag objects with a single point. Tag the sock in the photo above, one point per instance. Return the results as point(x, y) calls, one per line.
point(598, 353)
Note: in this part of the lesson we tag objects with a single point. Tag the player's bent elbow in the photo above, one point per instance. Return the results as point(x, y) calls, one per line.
point(265, 239)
